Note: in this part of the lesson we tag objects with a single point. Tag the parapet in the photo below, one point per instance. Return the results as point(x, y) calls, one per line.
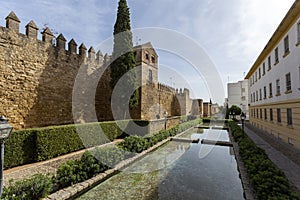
point(183, 91)
point(165, 88)
point(59, 42)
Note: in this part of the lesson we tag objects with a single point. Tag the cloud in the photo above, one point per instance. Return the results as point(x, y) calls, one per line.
point(85, 21)
point(232, 32)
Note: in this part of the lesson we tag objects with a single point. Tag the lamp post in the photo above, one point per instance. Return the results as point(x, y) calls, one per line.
point(243, 117)
point(165, 115)
point(5, 130)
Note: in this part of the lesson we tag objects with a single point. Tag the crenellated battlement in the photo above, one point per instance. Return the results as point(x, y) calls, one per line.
point(12, 30)
point(183, 91)
point(165, 88)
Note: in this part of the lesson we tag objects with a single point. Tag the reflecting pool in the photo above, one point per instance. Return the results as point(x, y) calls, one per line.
point(178, 170)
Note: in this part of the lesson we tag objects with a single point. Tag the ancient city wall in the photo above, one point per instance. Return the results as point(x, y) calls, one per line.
point(37, 77)
point(37, 81)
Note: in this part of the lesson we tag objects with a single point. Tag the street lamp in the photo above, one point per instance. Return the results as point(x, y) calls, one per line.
point(165, 115)
point(243, 117)
point(5, 130)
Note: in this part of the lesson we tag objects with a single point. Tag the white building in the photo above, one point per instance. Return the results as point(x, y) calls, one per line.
point(238, 95)
point(274, 82)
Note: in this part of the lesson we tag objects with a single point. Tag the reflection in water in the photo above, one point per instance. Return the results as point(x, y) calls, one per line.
point(177, 171)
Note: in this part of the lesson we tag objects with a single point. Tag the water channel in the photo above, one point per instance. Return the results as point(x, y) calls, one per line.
point(178, 170)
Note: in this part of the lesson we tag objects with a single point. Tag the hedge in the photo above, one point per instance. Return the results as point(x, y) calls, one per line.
point(20, 148)
point(91, 163)
point(267, 180)
point(138, 144)
point(39, 144)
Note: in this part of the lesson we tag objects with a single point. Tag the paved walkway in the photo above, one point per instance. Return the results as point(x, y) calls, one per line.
point(44, 167)
point(287, 158)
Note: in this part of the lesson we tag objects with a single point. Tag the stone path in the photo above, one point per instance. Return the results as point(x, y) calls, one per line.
point(45, 167)
point(283, 156)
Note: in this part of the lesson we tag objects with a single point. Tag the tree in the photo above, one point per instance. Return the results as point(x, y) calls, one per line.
point(123, 57)
point(234, 110)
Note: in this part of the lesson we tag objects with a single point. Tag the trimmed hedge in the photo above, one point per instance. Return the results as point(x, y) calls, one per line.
point(266, 179)
point(138, 144)
point(39, 144)
point(20, 148)
point(91, 163)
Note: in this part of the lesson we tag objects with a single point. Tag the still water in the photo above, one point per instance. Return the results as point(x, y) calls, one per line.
point(178, 170)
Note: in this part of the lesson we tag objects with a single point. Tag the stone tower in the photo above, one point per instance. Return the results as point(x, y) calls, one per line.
point(146, 58)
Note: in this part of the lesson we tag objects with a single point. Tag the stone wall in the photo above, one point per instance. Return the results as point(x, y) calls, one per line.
point(37, 77)
point(156, 99)
point(43, 82)
point(157, 125)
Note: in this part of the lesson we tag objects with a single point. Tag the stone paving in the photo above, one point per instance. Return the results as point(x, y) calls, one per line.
point(45, 167)
point(284, 156)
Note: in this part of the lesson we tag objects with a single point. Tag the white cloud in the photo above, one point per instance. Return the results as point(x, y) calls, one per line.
point(232, 32)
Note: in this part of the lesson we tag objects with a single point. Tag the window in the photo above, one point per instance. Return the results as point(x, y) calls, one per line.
point(270, 90)
point(147, 56)
point(266, 117)
point(152, 59)
point(253, 112)
point(264, 69)
point(269, 63)
point(278, 115)
point(278, 87)
point(286, 45)
point(243, 98)
point(259, 73)
point(243, 89)
point(253, 96)
point(291, 141)
point(289, 116)
point(299, 76)
point(265, 92)
point(271, 114)
point(260, 113)
point(276, 55)
point(150, 76)
point(256, 76)
point(288, 82)
point(256, 95)
point(298, 30)
point(260, 94)
point(257, 113)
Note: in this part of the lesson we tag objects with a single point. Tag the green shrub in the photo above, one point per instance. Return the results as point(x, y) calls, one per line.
point(20, 148)
point(134, 144)
point(138, 144)
point(109, 156)
point(39, 144)
point(90, 164)
point(266, 179)
point(36, 187)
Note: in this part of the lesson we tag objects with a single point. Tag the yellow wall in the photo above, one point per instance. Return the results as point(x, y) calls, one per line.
point(279, 130)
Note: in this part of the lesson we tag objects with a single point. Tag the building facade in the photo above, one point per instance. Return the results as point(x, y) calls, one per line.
point(274, 82)
point(238, 95)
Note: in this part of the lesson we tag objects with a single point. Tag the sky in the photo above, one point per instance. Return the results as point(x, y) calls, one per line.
point(230, 34)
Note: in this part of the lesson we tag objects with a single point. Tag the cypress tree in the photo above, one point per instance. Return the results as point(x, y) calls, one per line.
point(123, 55)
